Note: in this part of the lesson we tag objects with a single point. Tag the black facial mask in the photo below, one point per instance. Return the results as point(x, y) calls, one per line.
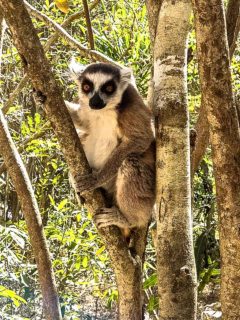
point(96, 102)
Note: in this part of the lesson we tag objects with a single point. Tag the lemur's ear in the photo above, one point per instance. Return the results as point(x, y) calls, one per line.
point(126, 74)
point(76, 69)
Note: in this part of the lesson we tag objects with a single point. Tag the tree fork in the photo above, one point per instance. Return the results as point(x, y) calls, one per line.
point(216, 87)
point(39, 71)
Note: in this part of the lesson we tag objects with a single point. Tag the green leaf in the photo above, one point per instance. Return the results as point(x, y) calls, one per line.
point(150, 281)
point(85, 262)
point(100, 250)
point(16, 299)
point(62, 204)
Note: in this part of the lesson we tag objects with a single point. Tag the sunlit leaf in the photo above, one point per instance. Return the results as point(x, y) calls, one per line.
point(16, 299)
point(63, 5)
point(100, 250)
point(62, 204)
point(85, 262)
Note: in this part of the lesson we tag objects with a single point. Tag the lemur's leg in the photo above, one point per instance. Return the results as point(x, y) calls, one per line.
point(134, 196)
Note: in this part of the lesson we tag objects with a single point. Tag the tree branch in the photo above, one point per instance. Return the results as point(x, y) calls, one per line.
point(33, 220)
point(52, 39)
point(89, 24)
point(91, 54)
point(217, 92)
point(67, 22)
point(35, 136)
point(2, 32)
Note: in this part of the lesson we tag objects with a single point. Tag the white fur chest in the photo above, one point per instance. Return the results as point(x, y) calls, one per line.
point(102, 137)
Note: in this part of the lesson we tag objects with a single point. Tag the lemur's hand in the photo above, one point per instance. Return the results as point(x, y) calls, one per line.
point(86, 182)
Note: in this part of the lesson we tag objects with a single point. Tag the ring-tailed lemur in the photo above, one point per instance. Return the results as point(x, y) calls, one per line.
point(114, 127)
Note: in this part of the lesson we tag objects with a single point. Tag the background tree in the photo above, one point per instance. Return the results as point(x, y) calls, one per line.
point(217, 94)
point(32, 216)
point(175, 266)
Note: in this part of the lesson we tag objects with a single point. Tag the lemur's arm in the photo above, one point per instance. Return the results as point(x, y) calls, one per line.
point(110, 169)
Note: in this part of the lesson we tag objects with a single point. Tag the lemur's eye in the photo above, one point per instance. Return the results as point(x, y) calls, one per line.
point(109, 87)
point(86, 87)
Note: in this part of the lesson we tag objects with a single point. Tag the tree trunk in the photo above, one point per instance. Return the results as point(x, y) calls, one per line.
point(126, 267)
point(175, 262)
point(1, 22)
point(217, 93)
point(33, 220)
point(2, 30)
point(202, 127)
point(232, 20)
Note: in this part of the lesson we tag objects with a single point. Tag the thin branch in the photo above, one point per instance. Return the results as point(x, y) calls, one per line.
point(8, 104)
point(91, 54)
point(89, 24)
point(35, 136)
point(66, 23)
point(52, 39)
point(33, 220)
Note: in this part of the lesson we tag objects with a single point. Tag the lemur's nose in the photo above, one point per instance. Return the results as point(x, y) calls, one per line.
point(96, 102)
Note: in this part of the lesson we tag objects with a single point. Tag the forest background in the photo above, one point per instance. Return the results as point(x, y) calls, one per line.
point(84, 277)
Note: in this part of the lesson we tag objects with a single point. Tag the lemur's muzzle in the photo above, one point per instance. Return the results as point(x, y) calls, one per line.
point(96, 102)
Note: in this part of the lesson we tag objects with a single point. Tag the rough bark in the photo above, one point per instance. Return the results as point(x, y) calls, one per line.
point(232, 17)
point(1, 21)
point(215, 77)
point(175, 262)
point(2, 31)
point(127, 268)
point(202, 127)
point(33, 220)
point(89, 24)
point(153, 9)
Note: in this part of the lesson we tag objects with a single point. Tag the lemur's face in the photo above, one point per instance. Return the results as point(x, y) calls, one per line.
point(101, 85)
